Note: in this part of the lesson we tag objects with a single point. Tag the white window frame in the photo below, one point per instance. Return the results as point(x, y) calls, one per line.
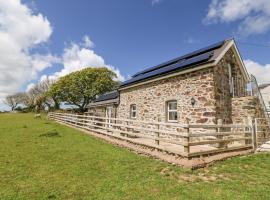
point(171, 111)
point(132, 111)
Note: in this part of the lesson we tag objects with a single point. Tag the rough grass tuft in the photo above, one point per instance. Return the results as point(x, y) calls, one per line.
point(52, 133)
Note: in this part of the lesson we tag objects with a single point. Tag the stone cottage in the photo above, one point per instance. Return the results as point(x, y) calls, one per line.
point(204, 86)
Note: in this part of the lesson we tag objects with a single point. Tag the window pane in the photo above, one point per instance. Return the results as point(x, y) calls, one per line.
point(172, 116)
point(133, 107)
point(133, 111)
point(172, 105)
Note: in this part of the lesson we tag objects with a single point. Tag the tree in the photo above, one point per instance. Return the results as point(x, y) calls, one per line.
point(12, 100)
point(42, 97)
point(81, 87)
point(37, 97)
point(27, 99)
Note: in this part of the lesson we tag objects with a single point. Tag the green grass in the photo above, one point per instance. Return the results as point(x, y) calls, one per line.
point(40, 159)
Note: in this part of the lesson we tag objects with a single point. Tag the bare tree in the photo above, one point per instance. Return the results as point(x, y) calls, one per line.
point(12, 101)
point(38, 96)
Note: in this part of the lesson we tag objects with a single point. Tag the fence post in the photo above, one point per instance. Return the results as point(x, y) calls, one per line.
point(219, 129)
point(249, 123)
point(84, 120)
point(254, 133)
point(157, 133)
point(186, 140)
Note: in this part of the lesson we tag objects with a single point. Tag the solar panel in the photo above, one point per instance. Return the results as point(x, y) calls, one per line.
point(171, 68)
point(186, 56)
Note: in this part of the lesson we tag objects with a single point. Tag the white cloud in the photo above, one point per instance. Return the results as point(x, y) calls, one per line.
point(256, 24)
point(77, 57)
point(154, 2)
point(41, 62)
point(261, 72)
point(87, 42)
point(20, 31)
point(191, 40)
point(30, 86)
point(254, 16)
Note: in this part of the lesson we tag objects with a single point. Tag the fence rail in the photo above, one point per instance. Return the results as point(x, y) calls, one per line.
point(189, 140)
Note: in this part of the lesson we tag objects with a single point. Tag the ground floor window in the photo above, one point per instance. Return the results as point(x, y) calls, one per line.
point(172, 111)
point(133, 111)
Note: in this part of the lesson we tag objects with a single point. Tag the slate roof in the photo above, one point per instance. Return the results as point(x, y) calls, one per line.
point(190, 60)
point(107, 96)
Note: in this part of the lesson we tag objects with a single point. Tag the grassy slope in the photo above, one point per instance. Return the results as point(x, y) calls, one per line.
point(36, 163)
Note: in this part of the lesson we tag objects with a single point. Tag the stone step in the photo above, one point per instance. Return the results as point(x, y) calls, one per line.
point(264, 148)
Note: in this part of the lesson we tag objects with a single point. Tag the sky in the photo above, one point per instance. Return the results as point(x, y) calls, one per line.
point(41, 39)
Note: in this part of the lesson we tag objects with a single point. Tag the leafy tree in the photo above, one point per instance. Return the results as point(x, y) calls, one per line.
point(81, 87)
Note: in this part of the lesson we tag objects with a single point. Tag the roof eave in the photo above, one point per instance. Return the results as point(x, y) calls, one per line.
point(230, 44)
point(104, 103)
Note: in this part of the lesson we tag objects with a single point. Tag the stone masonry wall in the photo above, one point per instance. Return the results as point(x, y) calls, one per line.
point(244, 107)
point(151, 98)
point(100, 111)
point(222, 91)
point(223, 94)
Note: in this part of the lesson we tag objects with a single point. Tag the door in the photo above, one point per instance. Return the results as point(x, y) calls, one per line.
point(109, 115)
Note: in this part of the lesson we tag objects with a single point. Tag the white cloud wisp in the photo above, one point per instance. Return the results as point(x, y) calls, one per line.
point(253, 16)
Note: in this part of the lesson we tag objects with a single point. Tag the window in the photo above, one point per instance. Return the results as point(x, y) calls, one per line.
point(231, 80)
point(133, 111)
point(172, 111)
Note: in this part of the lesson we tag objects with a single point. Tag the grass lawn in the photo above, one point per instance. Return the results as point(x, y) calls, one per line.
point(40, 159)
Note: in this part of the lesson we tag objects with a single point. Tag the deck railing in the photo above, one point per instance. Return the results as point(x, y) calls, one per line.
point(188, 140)
point(256, 92)
point(262, 130)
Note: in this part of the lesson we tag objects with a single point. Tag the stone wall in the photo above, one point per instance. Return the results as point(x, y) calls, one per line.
point(151, 98)
point(244, 107)
point(250, 107)
point(222, 91)
point(100, 111)
point(222, 80)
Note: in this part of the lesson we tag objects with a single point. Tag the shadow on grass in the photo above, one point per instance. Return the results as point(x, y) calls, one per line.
point(52, 133)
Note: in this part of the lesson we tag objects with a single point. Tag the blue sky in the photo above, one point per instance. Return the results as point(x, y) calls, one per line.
point(124, 35)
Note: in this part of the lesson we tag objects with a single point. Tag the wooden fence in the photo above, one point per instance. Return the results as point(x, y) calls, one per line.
point(188, 140)
point(262, 130)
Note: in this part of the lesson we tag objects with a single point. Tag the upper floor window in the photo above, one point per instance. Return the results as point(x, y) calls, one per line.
point(172, 111)
point(133, 111)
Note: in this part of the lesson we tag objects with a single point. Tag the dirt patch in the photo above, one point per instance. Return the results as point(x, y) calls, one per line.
point(204, 176)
